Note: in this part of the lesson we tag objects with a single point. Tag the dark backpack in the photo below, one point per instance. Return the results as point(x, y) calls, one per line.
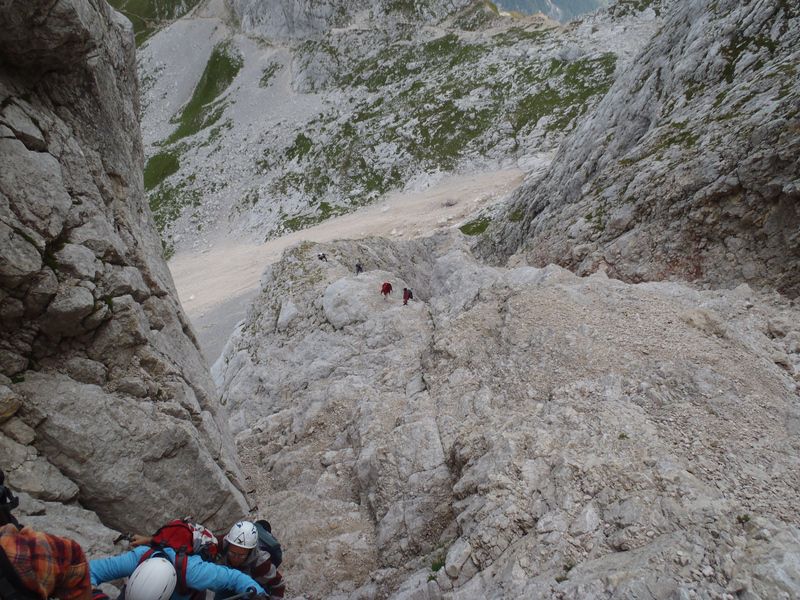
point(268, 542)
point(410, 295)
point(187, 538)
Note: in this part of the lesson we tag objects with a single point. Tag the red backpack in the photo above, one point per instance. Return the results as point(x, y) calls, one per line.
point(185, 537)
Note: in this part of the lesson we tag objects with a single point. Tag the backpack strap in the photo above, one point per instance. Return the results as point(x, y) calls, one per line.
point(181, 561)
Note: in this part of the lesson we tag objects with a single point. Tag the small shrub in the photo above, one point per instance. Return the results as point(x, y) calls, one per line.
point(476, 227)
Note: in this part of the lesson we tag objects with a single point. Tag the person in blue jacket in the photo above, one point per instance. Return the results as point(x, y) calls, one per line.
point(200, 574)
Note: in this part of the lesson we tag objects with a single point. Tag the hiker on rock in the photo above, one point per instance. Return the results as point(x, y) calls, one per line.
point(153, 575)
point(246, 547)
point(386, 289)
point(322, 256)
point(359, 268)
point(407, 295)
point(35, 565)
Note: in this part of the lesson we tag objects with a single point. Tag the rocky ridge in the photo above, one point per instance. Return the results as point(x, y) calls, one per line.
point(517, 432)
point(688, 169)
point(252, 136)
point(105, 402)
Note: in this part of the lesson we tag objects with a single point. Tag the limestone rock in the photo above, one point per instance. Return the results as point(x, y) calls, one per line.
point(78, 261)
point(9, 403)
point(79, 255)
point(67, 309)
point(157, 453)
point(20, 258)
point(517, 432)
point(687, 168)
point(69, 521)
point(288, 314)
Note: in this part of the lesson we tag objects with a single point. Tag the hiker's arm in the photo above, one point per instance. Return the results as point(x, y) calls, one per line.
point(202, 575)
point(114, 567)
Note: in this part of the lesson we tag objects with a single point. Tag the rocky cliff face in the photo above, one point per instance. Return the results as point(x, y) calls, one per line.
point(104, 398)
point(688, 168)
point(517, 433)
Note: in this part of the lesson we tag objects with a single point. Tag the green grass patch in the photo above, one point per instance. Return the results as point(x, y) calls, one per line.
point(159, 167)
point(437, 563)
point(677, 135)
point(323, 211)
point(202, 111)
point(515, 35)
point(168, 201)
point(475, 227)
point(566, 95)
point(622, 8)
point(516, 215)
point(301, 146)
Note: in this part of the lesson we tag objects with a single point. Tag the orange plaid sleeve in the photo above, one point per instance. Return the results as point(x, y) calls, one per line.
point(47, 565)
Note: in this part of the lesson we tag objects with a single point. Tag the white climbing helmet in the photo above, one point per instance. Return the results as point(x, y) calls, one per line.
point(243, 534)
point(154, 579)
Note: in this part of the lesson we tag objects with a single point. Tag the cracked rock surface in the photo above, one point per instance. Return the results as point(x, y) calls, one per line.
point(688, 168)
point(517, 432)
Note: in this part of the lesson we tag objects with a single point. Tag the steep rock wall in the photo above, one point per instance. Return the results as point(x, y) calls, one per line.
point(688, 169)
point(104, 397)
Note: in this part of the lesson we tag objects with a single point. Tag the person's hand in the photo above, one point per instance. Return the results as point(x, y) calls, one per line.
point(140, 540)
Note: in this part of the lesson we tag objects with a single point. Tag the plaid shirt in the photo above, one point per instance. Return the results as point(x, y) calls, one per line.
point(47, 565)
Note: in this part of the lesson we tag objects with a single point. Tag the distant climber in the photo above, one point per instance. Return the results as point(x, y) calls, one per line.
point(359, 268)
point(386, 289)
point(407, 295)
point(251, 548)
point(322, 256)
point(35, 565)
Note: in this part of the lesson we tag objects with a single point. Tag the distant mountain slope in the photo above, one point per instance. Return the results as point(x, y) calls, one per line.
point(689, 168)
point(561, 10)
point(253, 136)
point(148, 16)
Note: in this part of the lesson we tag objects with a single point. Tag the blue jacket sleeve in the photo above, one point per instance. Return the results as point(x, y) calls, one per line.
point(202, 575)
point(115, 567)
